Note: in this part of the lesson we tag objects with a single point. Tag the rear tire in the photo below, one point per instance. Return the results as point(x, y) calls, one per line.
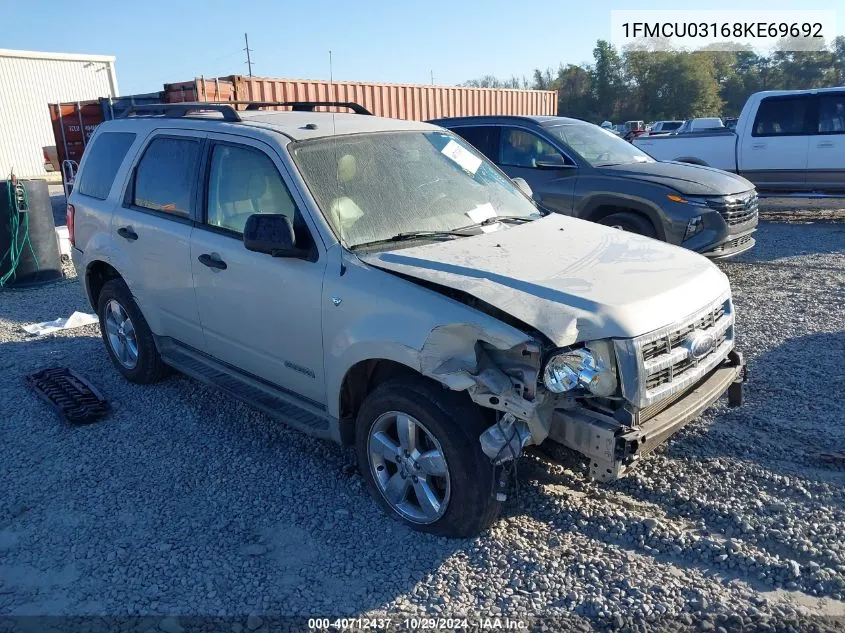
point(131, 348)
point(630, 222)
point(445, 421)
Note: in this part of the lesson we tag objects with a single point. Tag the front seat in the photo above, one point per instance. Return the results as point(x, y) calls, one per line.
point(238, 197)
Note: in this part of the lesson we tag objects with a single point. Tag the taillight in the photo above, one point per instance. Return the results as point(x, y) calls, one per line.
point(71, 214)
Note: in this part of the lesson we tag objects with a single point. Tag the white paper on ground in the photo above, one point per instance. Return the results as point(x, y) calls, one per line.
point(75, 320)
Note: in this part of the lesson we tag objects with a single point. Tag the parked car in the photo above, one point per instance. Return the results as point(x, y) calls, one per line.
point(632, 129)
point(663, 127)
point(380, 283)
point(576, 168)
point(701, 124)
point(785, 141)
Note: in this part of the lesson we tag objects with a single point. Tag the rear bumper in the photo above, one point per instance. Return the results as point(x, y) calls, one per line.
point(614, 448)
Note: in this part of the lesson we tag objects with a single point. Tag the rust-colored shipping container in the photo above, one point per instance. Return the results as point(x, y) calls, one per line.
point(75, 122)
point(401, 101)
point(73, 125)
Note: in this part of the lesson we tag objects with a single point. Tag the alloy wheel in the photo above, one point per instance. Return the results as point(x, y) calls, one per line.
point(409, 467)
point(121, 334)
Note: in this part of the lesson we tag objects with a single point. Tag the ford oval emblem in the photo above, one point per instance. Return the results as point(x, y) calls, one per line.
point(699, 343)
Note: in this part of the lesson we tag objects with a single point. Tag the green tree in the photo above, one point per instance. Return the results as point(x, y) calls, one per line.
point(575, 96)
point(607, 80)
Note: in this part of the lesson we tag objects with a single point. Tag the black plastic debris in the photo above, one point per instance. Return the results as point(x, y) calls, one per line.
point(74, 398)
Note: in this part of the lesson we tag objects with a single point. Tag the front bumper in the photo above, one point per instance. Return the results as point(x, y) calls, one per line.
point(733, 245)
point(614, 448)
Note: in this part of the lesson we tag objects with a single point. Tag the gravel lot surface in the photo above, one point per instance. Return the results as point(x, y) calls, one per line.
point(186, 502)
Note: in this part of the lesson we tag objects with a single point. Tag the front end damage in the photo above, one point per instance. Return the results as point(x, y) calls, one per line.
point(505, 375)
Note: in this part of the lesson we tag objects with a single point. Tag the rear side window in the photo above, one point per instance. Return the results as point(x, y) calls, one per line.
point(166, 176)
point(781, 117)
point(485, 138)
point(102, 161)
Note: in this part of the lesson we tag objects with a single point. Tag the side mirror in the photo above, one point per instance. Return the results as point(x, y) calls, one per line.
point(272, 234)
point(553, 162)
point(523, 186)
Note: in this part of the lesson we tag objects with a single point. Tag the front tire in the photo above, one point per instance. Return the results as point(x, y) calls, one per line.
point(418, 450)
point(127, 336)
point(630, 222)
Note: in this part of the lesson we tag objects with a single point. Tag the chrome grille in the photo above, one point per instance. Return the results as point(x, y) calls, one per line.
point(736, 209)
point(656, 366)
point(669, 373)
point(665, 344)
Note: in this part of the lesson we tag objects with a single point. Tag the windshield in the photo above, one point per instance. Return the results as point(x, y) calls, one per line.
point(598, 147)
point(372, 187)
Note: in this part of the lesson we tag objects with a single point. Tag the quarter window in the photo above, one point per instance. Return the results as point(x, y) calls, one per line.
point(243, 182)
point(521, 148)
point(102, 162)
point(832, 114)
point(165, 177)
point(781, 117)
point(485, 138)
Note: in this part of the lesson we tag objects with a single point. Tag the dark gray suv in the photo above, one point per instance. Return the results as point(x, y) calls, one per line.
point(577, 168)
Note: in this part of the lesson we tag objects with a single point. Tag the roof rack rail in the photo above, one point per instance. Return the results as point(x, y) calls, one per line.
point(173, 110)
point(303, 106)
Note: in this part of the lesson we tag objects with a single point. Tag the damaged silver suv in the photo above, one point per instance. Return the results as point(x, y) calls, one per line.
point(381, 284)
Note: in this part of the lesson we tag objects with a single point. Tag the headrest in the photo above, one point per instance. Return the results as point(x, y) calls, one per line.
point(246, 180)
point(347, 167)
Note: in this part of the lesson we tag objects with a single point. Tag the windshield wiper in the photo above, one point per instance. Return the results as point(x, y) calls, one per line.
point(411, 235)
point(507, 219)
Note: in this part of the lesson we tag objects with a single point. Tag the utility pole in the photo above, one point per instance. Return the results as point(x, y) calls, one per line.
point(248, 51)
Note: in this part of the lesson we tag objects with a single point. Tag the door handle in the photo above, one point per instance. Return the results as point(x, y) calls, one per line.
point(758, 146)
point(825, 144)
point(212, 261)
point(127, 233)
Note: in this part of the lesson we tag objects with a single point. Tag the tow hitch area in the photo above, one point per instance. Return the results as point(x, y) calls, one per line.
point(73, 397)
point(735, 391)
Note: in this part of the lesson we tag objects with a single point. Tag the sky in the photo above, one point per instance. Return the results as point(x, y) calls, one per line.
point(402, 41)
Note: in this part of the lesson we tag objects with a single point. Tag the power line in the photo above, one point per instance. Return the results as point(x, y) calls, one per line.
point(248, 51)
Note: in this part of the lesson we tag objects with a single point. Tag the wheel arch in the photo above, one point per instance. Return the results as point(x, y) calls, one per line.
point(97, 273)
point(599, 207)
point(358, 382)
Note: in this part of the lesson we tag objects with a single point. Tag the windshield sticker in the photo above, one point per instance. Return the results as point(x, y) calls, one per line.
point(482, 212)
point(462, 156)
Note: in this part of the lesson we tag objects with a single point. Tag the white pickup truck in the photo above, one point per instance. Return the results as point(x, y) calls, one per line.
point(785, 141)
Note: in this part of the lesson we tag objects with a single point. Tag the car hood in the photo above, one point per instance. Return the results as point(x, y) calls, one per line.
point(691, 180)
point(570, 279)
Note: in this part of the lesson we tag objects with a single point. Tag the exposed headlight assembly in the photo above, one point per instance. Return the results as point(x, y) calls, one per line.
point(590, 367)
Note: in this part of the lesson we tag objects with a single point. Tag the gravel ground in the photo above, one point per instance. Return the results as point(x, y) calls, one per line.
point(185, 502)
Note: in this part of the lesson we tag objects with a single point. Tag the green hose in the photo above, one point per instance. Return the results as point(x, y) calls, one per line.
point(18, 231)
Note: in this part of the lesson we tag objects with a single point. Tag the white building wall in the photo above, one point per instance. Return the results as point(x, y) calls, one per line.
point(28, 82)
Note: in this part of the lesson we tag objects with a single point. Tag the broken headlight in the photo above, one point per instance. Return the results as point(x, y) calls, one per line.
point(590, 367)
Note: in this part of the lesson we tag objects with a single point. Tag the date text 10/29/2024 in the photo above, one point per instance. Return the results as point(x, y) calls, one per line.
point(417, 624)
